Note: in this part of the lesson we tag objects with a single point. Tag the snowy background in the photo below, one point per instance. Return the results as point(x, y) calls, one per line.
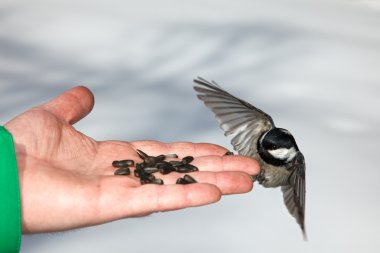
point(313, 65)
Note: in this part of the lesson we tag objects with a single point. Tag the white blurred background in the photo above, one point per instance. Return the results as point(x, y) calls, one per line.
point(313, 65)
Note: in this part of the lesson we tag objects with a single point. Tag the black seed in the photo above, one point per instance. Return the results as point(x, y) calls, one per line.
point(171, 156)
point(122, 171)
point(145, 181)
point(141, 154)
point(165, 168)
point(160, 158)
point(189, 179)
point(182, 169)
point(150, 161)
point(146, 178)
point(139, 170)
point(186, 168)
point(229, 153)
point(150, 170)
point(187, 159)
point(186, 180)
point(162, 164)
point(158, 181)
point(137, 173)
point(181, 181)
point(176, 163)
point(192, 168)
point(123, 163)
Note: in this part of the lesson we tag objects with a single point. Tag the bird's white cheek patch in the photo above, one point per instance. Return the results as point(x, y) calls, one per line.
point(283, 153)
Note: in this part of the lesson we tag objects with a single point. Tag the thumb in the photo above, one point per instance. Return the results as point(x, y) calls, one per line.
point(72, 105)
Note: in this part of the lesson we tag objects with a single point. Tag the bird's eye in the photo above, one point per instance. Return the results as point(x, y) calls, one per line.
point(274, 147)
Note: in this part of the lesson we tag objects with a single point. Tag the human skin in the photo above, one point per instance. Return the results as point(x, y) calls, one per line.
point(66, 178)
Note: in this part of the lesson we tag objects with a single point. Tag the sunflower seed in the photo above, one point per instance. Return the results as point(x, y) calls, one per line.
point(181, 181)
point(122, 171)
point(139, 170)
point(150, 170)
point(189, 179)
point(123, 163)
point(187, 159)
point(158, 181)
point(176, 163)
point(186, 168)
point(146, 178)
point(171, 156)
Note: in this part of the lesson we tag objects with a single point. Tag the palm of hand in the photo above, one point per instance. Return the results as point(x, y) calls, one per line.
point(66, 178)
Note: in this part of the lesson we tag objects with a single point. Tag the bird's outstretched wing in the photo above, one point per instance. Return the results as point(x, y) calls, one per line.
point(235, 116)
point(294, 193)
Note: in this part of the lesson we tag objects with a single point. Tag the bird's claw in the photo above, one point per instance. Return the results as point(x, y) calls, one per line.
point(260, 177)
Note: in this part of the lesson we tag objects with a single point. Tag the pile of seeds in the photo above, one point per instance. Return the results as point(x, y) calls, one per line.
point(152, 164)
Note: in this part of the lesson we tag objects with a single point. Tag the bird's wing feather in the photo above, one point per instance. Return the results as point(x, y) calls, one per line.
point(236, 117)
point(294, 193)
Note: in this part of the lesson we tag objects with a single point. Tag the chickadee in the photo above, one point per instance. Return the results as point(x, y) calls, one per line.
point(255, 135)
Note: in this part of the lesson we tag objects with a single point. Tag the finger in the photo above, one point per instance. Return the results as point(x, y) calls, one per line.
point(180, 148)
point(228, 182)
point(227, 163)
point(119, 200)
point(72, 105)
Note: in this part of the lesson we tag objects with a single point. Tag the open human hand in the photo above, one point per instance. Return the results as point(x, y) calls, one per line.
point(66, 178)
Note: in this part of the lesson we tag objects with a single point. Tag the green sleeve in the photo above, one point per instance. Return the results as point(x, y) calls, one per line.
point(10, 204)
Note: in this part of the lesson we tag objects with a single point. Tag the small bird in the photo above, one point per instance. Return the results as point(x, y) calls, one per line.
point(255, 135)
